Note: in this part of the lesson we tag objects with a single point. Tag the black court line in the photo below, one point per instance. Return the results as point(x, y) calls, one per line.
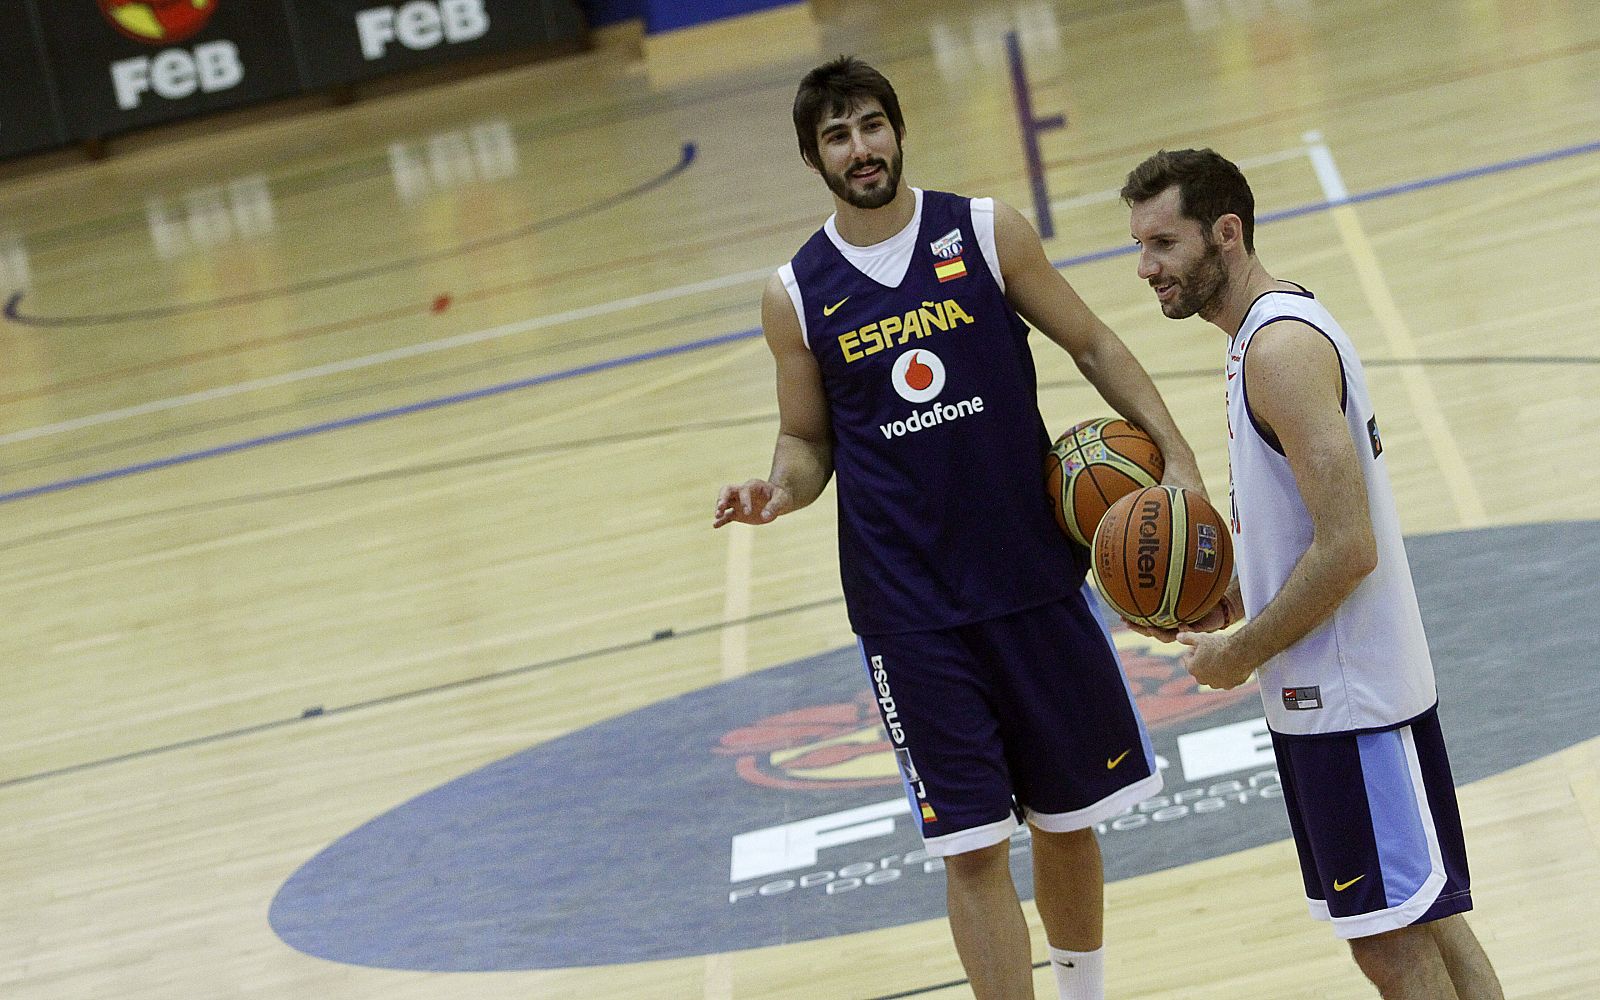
point(401, 472)
point(1473, 173)
point(318, 711)
point(936, 987)
point(624, 647)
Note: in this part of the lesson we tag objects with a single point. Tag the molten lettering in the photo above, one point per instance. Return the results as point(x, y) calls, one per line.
point(1149, 515)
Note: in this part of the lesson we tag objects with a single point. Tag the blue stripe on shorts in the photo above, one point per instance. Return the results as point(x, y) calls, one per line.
point(1403, 854)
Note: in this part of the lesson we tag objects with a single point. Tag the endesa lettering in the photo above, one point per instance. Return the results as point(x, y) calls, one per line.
point(924, 321)
point(938, 413)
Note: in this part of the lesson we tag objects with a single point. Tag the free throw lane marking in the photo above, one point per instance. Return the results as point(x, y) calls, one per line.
point(1430, 417)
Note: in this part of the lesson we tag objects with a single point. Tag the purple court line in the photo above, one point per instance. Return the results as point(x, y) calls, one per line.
point(728, 338)
point(376, 415)
point(13, 313)
point(1031, 127)
point(1373, 195)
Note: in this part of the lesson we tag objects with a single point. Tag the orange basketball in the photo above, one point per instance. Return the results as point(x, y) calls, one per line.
point(1147, 578)
point(1092, 466)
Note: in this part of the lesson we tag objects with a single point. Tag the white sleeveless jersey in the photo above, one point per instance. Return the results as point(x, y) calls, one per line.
point(1367, 666)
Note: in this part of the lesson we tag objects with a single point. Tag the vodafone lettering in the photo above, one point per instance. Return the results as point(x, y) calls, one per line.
point(933, 416)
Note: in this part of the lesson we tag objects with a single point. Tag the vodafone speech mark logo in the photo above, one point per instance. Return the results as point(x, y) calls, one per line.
point(918, 376)
point(158, 22)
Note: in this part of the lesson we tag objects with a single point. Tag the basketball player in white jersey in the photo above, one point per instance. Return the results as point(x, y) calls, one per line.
point(1333, 631)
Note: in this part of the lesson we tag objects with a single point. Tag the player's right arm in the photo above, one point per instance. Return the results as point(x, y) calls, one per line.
point(802, 460)
point(1296, 390)
point(1043, 297)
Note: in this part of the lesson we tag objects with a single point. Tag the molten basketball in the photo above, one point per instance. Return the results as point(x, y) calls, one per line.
point(1162, 557)
point(1092, 466)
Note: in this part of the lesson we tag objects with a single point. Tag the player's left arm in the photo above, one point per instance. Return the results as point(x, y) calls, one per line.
point(1047, 301)
point(1294, 379)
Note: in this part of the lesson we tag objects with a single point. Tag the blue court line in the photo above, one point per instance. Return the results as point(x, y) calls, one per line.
point(1373, 195)
point(367, 418)
point(727, 338)
point(1031, 125)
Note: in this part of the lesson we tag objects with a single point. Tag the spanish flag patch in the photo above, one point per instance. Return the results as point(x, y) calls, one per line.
point(927, 814)
point(950, 270)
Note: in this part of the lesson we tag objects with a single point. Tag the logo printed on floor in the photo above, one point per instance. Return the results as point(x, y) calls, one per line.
point(769, 809)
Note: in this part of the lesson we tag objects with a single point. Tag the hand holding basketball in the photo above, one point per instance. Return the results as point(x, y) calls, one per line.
point(1092, 465)
point(1218, 618)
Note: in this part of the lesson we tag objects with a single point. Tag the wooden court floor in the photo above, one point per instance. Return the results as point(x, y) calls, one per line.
point(347, 452)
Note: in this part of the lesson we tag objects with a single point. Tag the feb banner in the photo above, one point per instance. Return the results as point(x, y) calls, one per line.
point(351, 40)
point(121, 64)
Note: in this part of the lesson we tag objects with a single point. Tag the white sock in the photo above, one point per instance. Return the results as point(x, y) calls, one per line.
point(1080, 975)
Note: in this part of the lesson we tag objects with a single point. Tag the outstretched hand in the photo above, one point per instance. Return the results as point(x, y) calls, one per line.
point(755, 502)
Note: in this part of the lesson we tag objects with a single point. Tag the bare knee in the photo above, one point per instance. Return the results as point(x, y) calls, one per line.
point(1070, 841)
point(983, 864)
point(1393, 959)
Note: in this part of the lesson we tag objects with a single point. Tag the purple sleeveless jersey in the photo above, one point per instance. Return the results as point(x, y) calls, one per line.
point(938, 442)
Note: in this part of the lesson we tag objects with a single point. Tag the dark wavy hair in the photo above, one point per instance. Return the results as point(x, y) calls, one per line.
point(833, 89)
point(1209, 187)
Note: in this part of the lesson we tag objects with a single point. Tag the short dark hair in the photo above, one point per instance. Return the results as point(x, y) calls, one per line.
point(1209, 187)
point(833, 89)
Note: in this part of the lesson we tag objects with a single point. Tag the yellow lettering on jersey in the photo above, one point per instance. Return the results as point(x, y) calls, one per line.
point(955, 312)
point(892, 331)
point(872, 337)
point(890, 325)
point(850, 344)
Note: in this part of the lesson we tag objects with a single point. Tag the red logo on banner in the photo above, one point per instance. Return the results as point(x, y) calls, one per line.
point(158, 22)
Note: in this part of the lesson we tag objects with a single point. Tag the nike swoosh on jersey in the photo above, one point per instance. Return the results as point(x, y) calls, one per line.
point(1112, 762)
point(1339, 886)
point(830, 310)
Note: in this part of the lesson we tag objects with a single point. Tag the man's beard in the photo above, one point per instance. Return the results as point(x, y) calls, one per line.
point(1198, 289)
point(873, 197)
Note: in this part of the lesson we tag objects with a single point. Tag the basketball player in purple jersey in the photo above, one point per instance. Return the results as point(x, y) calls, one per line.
point(1334, 631)
point(904, 369)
